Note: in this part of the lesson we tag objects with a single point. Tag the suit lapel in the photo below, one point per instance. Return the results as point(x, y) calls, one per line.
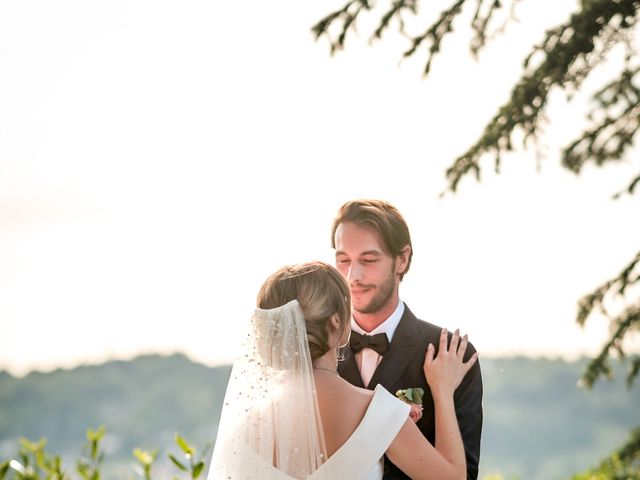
point(401, 351)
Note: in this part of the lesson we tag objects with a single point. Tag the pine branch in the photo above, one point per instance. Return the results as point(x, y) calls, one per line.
point(480, 23)
point(395, 11)
point(346, 16)
point(565, 51)
point(619, 105)
point(482, 36)
point(630, 188)
point(595, 299)
point(620, 325)
point(634, 368)
point(599, 366)
point(631, 449)
point(344, 20)
point(435, 33)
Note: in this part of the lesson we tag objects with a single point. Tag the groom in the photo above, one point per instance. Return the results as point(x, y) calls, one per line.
point(388, 343)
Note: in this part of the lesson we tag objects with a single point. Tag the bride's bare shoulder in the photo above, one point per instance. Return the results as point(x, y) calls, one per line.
point(334, 391)
point(342, 407)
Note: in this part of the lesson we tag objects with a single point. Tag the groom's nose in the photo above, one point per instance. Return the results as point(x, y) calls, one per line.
point(355, 272)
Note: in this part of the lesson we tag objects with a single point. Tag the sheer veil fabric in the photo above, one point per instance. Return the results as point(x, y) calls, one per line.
point(270, 426)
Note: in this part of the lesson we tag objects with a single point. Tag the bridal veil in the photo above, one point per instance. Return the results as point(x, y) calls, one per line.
point(270, 426)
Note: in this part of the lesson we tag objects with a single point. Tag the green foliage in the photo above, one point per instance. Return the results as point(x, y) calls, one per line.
point(145, 461)
point(89, 465)
point(621, 323)
point(564, 57)
point(193, 466)
point(411, 395)
point(4, 469)
point(34, 463)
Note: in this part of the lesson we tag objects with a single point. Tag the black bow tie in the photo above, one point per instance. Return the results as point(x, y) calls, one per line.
point(378, 342)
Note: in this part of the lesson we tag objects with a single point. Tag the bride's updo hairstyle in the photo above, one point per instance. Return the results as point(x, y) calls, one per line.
point(321, 292)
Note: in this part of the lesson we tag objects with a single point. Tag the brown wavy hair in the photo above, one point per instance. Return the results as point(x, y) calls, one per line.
point(321, 292)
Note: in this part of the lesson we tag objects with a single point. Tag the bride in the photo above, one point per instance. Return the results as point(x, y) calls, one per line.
point(288, 415)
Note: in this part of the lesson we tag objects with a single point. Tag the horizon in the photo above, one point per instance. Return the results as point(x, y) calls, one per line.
point(22, 373)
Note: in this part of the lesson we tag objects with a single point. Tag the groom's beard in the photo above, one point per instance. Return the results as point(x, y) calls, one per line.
point(384, 291)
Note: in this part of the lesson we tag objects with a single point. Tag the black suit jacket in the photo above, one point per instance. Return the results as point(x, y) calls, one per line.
point(401, 367)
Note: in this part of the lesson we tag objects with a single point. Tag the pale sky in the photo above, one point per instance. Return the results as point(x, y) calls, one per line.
point(159, 159)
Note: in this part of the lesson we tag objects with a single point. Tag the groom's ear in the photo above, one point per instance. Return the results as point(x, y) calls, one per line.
point(402, 260)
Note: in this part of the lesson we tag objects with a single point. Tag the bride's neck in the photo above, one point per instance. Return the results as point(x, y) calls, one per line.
point(328, 361)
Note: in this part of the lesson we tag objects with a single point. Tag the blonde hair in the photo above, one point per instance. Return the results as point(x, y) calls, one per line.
point(321, 292)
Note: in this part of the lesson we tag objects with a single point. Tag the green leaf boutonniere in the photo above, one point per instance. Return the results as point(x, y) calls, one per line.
point(412, 396)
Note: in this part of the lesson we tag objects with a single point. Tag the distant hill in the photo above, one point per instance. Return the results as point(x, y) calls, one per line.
point(142, 403)
point(537, 423)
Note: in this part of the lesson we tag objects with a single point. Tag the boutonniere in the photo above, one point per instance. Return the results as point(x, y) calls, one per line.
point(412, 396)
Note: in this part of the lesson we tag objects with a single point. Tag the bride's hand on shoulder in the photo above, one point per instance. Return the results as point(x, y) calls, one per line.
point(445, 371)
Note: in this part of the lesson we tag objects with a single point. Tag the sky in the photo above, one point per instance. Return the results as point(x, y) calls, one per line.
point(159, 159)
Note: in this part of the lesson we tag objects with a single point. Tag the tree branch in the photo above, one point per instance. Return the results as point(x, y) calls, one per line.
point(435, 33)
point(619, 325)
point(630, 188)
point(395, 11)
point(599, 366)
point(347, 16)
point(565, 49)
point(595, 299)
point(618, 103)
point(480, 23)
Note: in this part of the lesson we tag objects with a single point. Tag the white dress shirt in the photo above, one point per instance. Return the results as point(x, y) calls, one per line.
point(368, 359)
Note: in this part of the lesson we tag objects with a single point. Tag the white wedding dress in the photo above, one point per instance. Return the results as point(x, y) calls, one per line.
point(360, 457)
point(270, 426)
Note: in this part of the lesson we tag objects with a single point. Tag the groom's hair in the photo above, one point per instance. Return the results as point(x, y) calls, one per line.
point(381, 217)
point(321, 292)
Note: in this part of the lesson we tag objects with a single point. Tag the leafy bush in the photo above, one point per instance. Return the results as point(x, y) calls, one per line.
point(33, 462)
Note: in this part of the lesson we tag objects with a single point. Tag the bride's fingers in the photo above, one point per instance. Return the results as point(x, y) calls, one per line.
point(469, 363)
point(463, 347)
point(443, 341)
point(455, 341)
point(429, 357)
